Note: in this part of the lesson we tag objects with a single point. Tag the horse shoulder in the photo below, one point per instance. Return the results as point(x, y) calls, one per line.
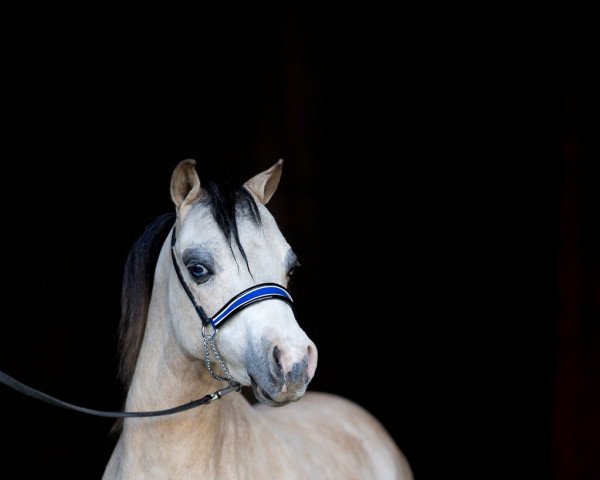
point(338, 434)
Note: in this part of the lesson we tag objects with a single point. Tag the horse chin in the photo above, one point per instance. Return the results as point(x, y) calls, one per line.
point(264, 397)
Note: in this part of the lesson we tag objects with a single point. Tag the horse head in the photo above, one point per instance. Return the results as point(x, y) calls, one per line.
point(227, 242)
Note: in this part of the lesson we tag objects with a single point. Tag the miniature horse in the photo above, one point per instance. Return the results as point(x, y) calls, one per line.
point(227, 242)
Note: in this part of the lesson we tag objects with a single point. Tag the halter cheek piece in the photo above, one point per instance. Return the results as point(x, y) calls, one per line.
point(250, 296)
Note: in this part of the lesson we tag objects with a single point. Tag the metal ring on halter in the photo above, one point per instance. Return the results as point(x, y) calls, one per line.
point(212, 335)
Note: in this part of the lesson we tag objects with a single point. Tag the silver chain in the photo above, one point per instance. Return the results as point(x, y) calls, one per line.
point(209, 345)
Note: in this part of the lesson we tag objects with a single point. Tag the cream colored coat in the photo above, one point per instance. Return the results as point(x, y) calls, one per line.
point(318, 437)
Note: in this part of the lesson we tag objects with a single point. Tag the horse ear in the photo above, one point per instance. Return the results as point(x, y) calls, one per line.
point(185, 184)
point(264, 184)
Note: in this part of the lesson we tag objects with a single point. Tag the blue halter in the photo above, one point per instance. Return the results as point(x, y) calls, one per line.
point(258, 293)
point(250, 296)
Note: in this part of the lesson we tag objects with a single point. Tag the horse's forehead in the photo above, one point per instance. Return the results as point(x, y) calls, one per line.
point(200, 224)
point(198, 216)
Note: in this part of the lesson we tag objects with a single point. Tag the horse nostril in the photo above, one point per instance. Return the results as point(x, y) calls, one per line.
point(277, 356)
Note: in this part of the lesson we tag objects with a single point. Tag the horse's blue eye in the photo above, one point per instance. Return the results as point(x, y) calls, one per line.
point(199, 271)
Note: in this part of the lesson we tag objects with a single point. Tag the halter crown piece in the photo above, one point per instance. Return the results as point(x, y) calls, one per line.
point(250, 296)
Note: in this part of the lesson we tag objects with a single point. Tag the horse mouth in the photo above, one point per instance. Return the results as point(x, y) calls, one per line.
point(263, 397)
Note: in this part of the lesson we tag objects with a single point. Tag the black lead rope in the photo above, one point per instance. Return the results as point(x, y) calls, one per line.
point(250, 296)
point(44, 397)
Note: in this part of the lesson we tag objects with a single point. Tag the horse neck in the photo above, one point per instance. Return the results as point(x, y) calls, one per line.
point(166, 376)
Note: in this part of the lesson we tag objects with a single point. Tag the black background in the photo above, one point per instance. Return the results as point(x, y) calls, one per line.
point(421, 190)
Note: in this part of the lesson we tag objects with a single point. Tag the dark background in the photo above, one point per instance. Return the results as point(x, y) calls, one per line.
point(439, 187)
